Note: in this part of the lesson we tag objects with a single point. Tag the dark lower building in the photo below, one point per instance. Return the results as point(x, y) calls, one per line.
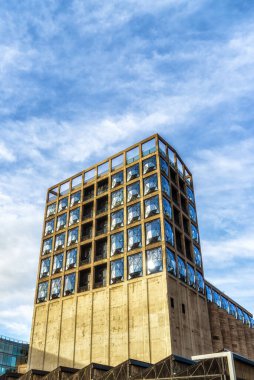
point(12, 353)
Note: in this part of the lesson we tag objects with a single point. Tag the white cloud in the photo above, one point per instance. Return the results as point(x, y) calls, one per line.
point(6, 154)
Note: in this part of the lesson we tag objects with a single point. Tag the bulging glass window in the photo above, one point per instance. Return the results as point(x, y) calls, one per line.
point(71, 259)
point(181, 269)
point(116, 219)
point(232, 309)
point(55, 291)
point(133, 213)
point(165, 186)
point(150, 184)
point(153, 231)
point(133, 191)
point(134, 238)
point(169, 235)
point(74, 216)
point(73, 236)
point(152, 206)
point(133, 172)
point(63, 204)
point(209, 295)
point(164, 166)
point(149, 164)
point(58, 263)
point(194, 233)
point(167, 209)
point(240, 314)
point(60, 241)
point(197, 256)
point(190, 194)
point(61, 221)
point(69, 284)
point(117, 271)
point(117, 180)
point(49, 227)
point(117, 198)
point(75, 198)
point(171, 262)
point(45, 268)
point(216, 298)
point(135, 266)
point(154, 260)
point(200, 282)
point(42, 292)
point(247, 320)
point(192, 213)
point(224, 304)
point(47, 246)
point(190, 275)
point(51, 209)
point(117, 243)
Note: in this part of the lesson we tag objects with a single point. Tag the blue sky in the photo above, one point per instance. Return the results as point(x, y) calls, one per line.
point(81, 80)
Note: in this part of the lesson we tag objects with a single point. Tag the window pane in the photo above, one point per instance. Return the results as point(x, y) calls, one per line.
point(197, 256)
point(149, 164)
point(167, 209)
point(134, 238)
point(61, 221)
point(117, 271)
point(60, 241)
point(209, 295)
point(154, 260)
point(89, 175)
point(117, 243)
point(240, 314)
point(58, 263)
point(165, 185)
point(135, 266)
point(76, 182)
point(216, 298)
point(153, 231)
point(162, 148)
point(116, 219)
point(133, 213)
point(132, 155)
point(42, 292)
point(181, 269)
point(191, 275)
point(152, 206)
point(194, 233)
point(164, 166)
point(171, 156)
point(133, 172)
point(75, 198)
point(169, 235)
point(47, 246)
point(73, 236)
point(55, 288)
point(117, 162)
point(148, 147)
point(133, 191)
point(224, 304)
point(49, 227)
point(71, 259)
point(63, 204)
point(65, 188)
point(117, 179)
point(51, 210)
point(200, 282)
point(69, 284)
point(192, 213)
point(232, 309)
point(45, 267)
point(190, 194)
point(52, 194)
point(150, 184)
point(117, 198)
point(171, 262)
point(103, 169)
point(74, 216)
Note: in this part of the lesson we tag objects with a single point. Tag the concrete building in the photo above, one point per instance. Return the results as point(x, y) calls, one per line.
point(120, 273)
point(12, 354)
